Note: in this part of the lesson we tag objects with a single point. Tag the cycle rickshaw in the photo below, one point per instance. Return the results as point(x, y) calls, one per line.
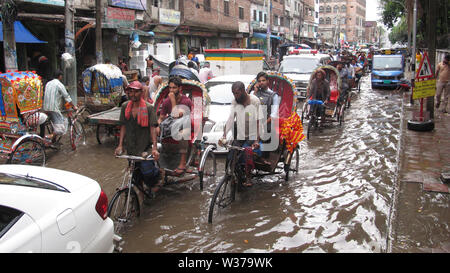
point(334, 108)
point(290, 133)
point(20, 101)
point(103, 88)
point(201, 161)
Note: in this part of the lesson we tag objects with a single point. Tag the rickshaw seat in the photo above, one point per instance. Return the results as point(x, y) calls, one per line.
point(334, 95)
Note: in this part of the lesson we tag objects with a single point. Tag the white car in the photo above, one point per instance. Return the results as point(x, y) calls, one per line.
point(300, 67)
point(221, 97)
point(49, 210)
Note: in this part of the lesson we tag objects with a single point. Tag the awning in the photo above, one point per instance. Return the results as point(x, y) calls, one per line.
point(264, 36)
point(21, 34)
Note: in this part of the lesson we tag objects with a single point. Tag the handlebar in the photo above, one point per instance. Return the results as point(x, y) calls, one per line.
point(311, 102)
point(135, 158)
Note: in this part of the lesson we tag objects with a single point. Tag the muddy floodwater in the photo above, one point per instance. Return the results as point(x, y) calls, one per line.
point(339, 201)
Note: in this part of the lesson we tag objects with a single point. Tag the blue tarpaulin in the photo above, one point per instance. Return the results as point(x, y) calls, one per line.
point(264, 36)
point(22, 34)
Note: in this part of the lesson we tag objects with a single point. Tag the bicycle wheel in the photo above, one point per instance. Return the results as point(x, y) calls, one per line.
point(77, 134)
point(293, 161)
point(30, 152)
point(208, 168)
point(123, 208)
point(223, 196)
point(304, 111)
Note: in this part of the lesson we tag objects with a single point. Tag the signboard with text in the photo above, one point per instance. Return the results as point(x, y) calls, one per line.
point(117, 17)
point(424, 89)
point(169, 17)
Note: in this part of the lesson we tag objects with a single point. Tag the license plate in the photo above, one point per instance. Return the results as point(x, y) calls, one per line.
point(329, 112)
point(387, 82)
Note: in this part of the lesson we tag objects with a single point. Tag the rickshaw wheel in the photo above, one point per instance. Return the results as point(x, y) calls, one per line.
point(224, 195)
point(208, 169)
point(117, 209)
point(104, 132)
point(311, 123)
point(341, 115)
point(77, 134)
point(29, 152)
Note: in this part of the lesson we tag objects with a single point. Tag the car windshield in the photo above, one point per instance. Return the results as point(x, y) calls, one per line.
point(387, 63)
point(299, 65)
point(29, 181)
point(220, 92)
point(8, 217)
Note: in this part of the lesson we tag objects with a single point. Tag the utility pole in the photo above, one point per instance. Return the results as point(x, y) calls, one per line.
point(98, 31)
point(269, 15)
point(9, 40)
point(70, 70)
point(413, 57)
point(431, 40)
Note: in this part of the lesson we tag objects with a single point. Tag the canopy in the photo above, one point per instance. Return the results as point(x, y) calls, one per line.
point(264, 36)
point(22, 34)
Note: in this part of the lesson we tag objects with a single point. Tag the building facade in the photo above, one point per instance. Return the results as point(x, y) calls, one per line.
point(342, 21)
point(372, 32)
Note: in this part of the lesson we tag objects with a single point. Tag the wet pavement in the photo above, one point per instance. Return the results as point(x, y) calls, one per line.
point(347, 197)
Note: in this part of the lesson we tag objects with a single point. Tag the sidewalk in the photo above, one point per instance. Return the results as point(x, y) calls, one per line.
point(422, 215)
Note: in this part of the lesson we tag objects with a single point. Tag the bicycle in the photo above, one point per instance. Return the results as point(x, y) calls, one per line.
point(76, 129)
point(124, 206)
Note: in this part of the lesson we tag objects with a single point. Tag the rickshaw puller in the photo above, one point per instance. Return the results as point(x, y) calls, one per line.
point(55, 92)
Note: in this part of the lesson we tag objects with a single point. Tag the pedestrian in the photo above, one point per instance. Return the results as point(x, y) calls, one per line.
point(154, 83)
point(122, 65)
point(149, 69)
point(443, 83)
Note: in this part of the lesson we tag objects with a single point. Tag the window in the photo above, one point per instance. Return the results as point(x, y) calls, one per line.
point(265, 18)
point(343, 8)
point(281, 21)
point(321, 9)
point(207, 5)
point(336, 9)
point(226, 8)
point(241, 13)
point(261, 17)
point(172, 4)
point(321, 21)
point(8, 217)
point(328, 21)
point(275, 20)
point(328, 9)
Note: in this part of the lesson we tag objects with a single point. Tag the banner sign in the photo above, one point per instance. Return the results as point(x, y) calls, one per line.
point(424, 89)
point(117, 17)
point(169, 17)
point(129, 4)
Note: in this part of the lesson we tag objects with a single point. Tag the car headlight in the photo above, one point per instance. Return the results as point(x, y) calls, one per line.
point(376, 77)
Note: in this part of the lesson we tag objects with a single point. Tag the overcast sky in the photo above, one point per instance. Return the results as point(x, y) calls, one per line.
point(372, 11)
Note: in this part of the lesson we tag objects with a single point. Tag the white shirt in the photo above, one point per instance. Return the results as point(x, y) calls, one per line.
point(205, 74)
point(55, 91)
point(247, 116)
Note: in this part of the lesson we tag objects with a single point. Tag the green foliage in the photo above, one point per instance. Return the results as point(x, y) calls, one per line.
point(399, 33)
point(392, 11)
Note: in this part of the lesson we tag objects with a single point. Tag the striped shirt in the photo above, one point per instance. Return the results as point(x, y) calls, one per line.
point(54, 92)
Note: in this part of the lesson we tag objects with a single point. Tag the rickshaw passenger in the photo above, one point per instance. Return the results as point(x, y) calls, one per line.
point(343, 73)
point(247, 105)
point(171, 107)
point(138, 123)
point(54, 93)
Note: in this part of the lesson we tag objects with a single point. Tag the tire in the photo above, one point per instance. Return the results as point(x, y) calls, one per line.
point(77, 134)
point(117, 209)
point(311, 124)
point(29, 152)
point(103, 133)
point(341, 117)
point(223, 196)
point(304, 111)
point(207, 169)
point(421, 126)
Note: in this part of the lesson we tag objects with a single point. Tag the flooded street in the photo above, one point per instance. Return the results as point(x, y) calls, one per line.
point(340, 201)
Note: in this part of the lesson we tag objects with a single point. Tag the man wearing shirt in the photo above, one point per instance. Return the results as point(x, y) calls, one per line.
point(205, 73)
point(55, 92)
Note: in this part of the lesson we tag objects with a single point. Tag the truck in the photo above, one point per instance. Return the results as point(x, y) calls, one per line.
point(387, 71)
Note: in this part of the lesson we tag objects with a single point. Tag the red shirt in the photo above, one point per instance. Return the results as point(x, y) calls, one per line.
point(166, 107)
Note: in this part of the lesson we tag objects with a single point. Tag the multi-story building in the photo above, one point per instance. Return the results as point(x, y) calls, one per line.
point(342, 21)
point(308, 33)
point(372, 32)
